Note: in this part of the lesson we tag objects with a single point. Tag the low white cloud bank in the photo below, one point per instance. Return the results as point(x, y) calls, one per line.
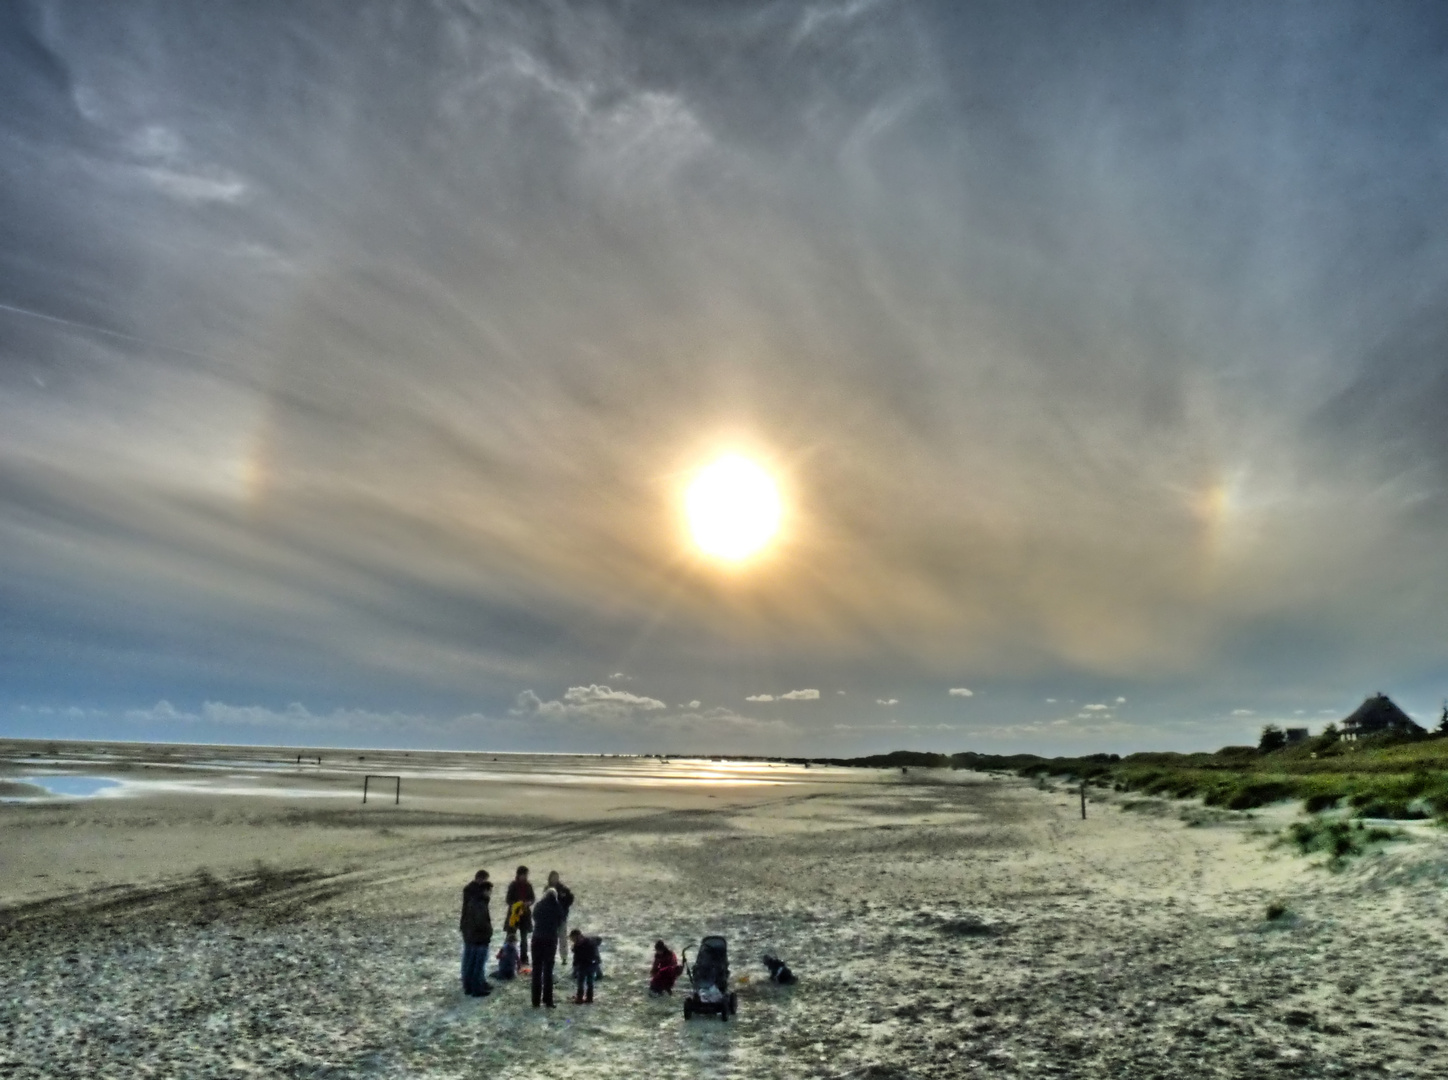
point(792, 695)
point(887, 701)
point(592, 702)
point(960, 691)
point(1096, 708)
point(1244, 712)
point(294, 716)
point(602, 710)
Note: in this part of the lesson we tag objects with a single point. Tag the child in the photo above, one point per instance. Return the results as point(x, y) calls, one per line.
point(778, 970)
point(508, 957)
point(665, 970)
point(585, 964)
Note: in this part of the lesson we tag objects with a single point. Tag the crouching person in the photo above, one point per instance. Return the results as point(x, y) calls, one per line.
point(778, 970)
point(665, 970)
point(586, 964)
point(508, 957)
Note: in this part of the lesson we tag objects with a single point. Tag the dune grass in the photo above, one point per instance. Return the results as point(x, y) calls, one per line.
point(1338, 839)
point(1397, 777)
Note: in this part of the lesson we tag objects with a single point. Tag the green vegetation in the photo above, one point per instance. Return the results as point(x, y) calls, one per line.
point(1339, 840)
point(1389, 776)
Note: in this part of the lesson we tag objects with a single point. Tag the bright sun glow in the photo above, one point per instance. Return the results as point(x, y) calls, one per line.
point(733, 508)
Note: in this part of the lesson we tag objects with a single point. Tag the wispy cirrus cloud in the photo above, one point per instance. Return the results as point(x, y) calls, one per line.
point(403, 406)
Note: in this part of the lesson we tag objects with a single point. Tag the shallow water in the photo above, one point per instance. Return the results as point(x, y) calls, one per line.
point(73, 787)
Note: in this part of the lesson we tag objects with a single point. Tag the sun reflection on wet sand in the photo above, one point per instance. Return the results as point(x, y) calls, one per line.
point(281, 773)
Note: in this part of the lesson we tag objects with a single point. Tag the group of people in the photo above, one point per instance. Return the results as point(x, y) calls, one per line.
point(531, 924)
point(540, 926)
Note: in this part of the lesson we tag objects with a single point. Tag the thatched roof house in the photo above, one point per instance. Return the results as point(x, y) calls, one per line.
point(1379, 716)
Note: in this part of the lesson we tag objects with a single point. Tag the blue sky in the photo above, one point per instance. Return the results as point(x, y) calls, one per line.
point(352, 363)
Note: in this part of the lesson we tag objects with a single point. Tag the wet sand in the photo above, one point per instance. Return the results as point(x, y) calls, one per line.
point(220, 911)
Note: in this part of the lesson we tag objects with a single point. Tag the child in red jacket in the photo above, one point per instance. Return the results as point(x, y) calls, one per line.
point(665, 971)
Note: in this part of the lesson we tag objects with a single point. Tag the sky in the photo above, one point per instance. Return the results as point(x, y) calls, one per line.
point(354, 360)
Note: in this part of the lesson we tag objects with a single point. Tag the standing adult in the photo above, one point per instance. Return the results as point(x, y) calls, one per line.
point(476, 926)
point(565, 898)
point(520, 905)
point(547, 918)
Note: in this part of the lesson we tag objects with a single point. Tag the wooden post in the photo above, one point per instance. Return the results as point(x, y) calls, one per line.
point(397, 800)
point(364, 789)
point(1083, 798)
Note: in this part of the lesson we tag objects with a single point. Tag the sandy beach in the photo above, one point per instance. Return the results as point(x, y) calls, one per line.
point(212, 911)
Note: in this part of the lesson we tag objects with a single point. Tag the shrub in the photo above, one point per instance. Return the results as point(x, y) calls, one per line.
point(1321, 800)
point(1273, 738)
point(1377, 806)
point(1254, 793)
point(1339, 840)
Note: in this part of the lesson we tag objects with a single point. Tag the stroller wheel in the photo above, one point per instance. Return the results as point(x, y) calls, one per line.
point(724, 1012)
point(688, 1008)
point(733, 1002)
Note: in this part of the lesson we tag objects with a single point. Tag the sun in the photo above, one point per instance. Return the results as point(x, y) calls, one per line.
point(733, 508)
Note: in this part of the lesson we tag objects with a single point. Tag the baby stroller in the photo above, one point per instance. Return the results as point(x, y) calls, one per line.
point(709, 980)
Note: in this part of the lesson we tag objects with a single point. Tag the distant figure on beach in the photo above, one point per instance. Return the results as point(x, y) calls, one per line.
point(565, 897)
point(586, 964)
point(520, 899)
point(665, 970)
point(778, 970)
point(476, 926)
point(508, 957)
point(547, 918)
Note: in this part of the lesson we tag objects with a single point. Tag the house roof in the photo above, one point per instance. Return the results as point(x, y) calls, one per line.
point(1378, 713)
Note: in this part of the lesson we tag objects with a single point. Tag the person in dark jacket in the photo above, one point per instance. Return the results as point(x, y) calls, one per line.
point(520, 891)
point(778, 970)
point(547, 918)
point(665, 970)
point(585, 964)
point(476, 926)
point(565, 897)
point(508, 957)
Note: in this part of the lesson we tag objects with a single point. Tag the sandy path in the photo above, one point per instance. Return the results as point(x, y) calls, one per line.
point(946, 926)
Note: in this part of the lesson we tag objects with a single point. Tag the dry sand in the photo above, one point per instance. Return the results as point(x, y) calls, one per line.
point(221, 913)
